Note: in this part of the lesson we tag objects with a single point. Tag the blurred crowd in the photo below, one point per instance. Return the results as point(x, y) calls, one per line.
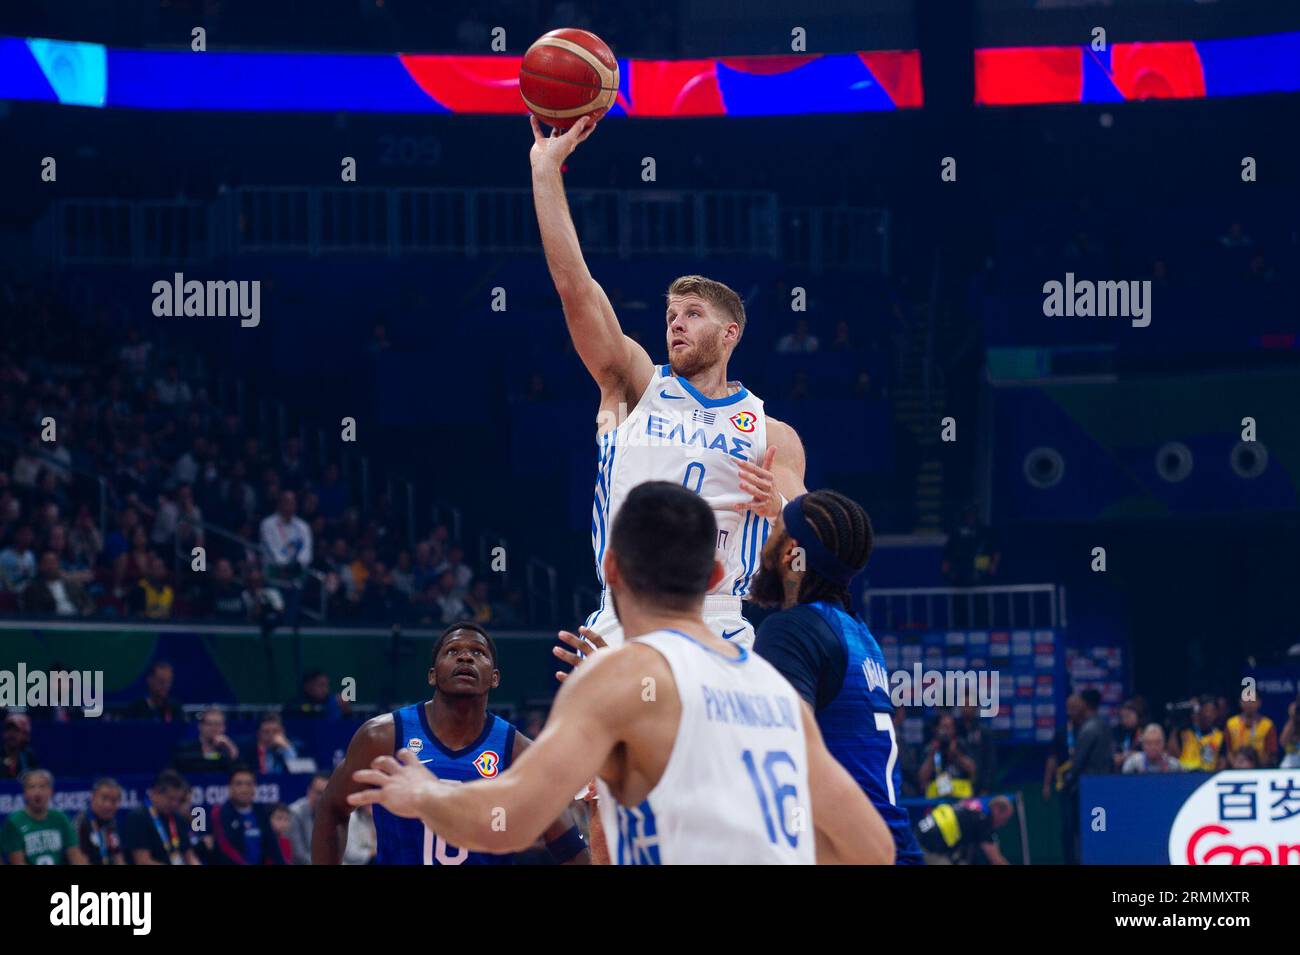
point(163, 828)
point(1202, 735)
point(280, 529)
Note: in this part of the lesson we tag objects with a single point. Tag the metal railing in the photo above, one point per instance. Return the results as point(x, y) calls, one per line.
point(543, 592)
point(931, 608)
point(393, 222)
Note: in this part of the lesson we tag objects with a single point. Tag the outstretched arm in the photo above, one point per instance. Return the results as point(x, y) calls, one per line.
point(616, 362)
point(590, 716)
point(562, 826)
point(849, 829)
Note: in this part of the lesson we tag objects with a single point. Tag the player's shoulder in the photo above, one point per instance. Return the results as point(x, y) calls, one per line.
point(799, 621)
point(378, 732)
point(606, 675)
point(783, 436)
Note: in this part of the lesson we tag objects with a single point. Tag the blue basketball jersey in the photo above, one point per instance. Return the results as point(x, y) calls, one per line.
point(858, 726)
point(408, 841)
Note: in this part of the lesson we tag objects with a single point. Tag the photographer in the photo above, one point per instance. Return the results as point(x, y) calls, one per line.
point(946, 769)
point(264, 604)
point(1199, 746)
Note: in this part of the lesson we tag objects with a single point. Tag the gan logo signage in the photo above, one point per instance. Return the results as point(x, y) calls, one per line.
point(1240, 817)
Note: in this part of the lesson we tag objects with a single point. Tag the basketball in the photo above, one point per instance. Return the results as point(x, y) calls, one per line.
point(568, 74)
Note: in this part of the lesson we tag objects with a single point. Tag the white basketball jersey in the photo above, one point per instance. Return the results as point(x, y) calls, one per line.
point(677, 434)
point(735, 788)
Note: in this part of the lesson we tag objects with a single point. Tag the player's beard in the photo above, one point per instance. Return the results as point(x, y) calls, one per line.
point(703, 355)
point(767, 589)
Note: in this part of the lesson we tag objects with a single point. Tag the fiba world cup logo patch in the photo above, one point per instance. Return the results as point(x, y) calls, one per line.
point(487, 764)
point(744, 421)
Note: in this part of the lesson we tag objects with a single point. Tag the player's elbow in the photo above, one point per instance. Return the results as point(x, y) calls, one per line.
point(577, 289)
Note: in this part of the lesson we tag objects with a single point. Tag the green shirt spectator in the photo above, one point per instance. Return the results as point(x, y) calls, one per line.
point(42, 841)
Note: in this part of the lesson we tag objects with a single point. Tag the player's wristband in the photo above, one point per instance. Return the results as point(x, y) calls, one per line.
point(566, 846)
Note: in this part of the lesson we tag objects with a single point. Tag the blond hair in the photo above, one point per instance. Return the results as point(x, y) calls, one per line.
point(715, 293)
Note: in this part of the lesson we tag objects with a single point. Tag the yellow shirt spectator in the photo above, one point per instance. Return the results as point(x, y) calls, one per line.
point(1260, 735)
point(1201, 749)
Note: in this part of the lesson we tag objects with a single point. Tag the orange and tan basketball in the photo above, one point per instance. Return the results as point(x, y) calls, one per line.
point(568, 74)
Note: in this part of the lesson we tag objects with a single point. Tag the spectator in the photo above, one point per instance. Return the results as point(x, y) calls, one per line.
point(225, 597)
point(156, 832)
point(286, 539)
point(97, 833)
point(241, 828)
point(187, 467)
point(54, 593)
point(1247, 757)
point(189, 521)
point(800, 341)
point(212, 752)
point(153, 596)
point(362, 846)
point(1060, 757)
point(952, 833)
point(461, 572)
point(843, 341)
point(272, 750)
point(976, 738)
point(18, 755)
point(263, 604)
point(425, 572)
point(303, 818)
point(1290, 738)
point(29, 463)
point(1091, 756)
point(157, 704)
point(971, 555)
point(380, 600)
point(38, 834)
point(282, 826)
point(85, 544)
point(316, 701)
point(1129, 733)
point(1236, 237)
point(135, 354)
point(18, 560)
point(403, 574)
point(479, 604)
point(446, 601)
point(1199, 747)
point(200, 845)
point(1151, 756)
point(946, 769)
point(1093, 746)
point(166, 516)
point(171, 390)
point(134, 564)
point(118, 542)
point(1252, 729)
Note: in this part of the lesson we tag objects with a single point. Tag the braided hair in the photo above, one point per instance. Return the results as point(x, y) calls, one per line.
point(844, 529)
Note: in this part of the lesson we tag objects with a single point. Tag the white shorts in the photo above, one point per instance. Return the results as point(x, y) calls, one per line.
point(721, 614)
